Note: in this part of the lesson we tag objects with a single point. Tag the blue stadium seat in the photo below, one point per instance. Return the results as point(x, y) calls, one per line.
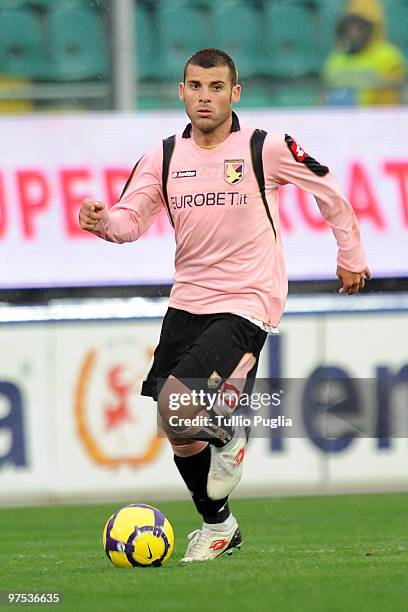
point(183, 29)
point(66, 4)
point(296, 96)
point(291, 41)
point(329, 14)
point(397, 24)
point(254, 97)
point(11, 4)
point(146, 42)
point(78, 44)
point(22, 44)
point(236, 30)
point(147, 101)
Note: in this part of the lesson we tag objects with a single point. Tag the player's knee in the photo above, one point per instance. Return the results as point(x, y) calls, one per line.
point(184, 447)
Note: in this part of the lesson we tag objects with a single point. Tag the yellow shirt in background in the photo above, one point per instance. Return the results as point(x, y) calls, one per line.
point(14, 105)
point(372, 76)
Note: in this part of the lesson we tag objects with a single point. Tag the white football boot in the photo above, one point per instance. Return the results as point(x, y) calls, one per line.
point(226, 465)
point(206, 544)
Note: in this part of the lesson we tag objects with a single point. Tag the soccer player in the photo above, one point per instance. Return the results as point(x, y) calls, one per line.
point(218, 182)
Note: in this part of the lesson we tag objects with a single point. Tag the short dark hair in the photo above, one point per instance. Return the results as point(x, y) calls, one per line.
point(212, 58)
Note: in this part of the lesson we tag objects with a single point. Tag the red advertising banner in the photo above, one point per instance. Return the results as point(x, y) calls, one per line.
point(49, 164)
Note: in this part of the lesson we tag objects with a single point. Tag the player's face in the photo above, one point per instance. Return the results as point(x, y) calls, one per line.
point(208, 95)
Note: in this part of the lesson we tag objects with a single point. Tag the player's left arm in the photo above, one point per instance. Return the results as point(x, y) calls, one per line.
point(295, 166)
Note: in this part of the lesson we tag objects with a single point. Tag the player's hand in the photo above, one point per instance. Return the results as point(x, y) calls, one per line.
point(352, 282)
point(90, 213)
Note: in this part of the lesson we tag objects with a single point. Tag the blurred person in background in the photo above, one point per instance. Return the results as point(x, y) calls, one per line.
point(364, 69)
point(14, 85)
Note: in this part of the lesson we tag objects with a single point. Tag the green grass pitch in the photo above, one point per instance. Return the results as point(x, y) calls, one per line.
point(310, 554)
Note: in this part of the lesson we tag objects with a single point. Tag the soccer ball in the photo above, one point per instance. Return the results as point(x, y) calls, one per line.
point(138, 535)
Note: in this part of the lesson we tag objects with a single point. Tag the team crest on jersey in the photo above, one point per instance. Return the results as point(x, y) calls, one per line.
point(233, 171)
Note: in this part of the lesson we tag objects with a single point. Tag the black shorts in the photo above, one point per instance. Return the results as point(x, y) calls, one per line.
point(199, 347)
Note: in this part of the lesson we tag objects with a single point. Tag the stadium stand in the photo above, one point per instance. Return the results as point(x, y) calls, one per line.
point(280, 46)
point(288, 42)
point(146, 42)
point(77, 44)
point(235, 25)
point(182, 30)
point(327, 15)
point(22, 43)
point(397, 24)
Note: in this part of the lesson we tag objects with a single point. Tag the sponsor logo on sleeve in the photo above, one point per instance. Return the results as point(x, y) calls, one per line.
point(302, 157)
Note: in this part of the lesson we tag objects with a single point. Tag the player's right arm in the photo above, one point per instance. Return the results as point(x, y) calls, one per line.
point(90, 213)
point(139, 205)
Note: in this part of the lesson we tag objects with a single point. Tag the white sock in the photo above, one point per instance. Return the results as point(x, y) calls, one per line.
point(224, 526)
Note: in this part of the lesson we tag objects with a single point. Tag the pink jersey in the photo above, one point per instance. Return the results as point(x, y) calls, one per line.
point(229, 254)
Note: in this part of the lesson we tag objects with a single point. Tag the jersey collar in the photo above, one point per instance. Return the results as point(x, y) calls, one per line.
point(235, 127)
